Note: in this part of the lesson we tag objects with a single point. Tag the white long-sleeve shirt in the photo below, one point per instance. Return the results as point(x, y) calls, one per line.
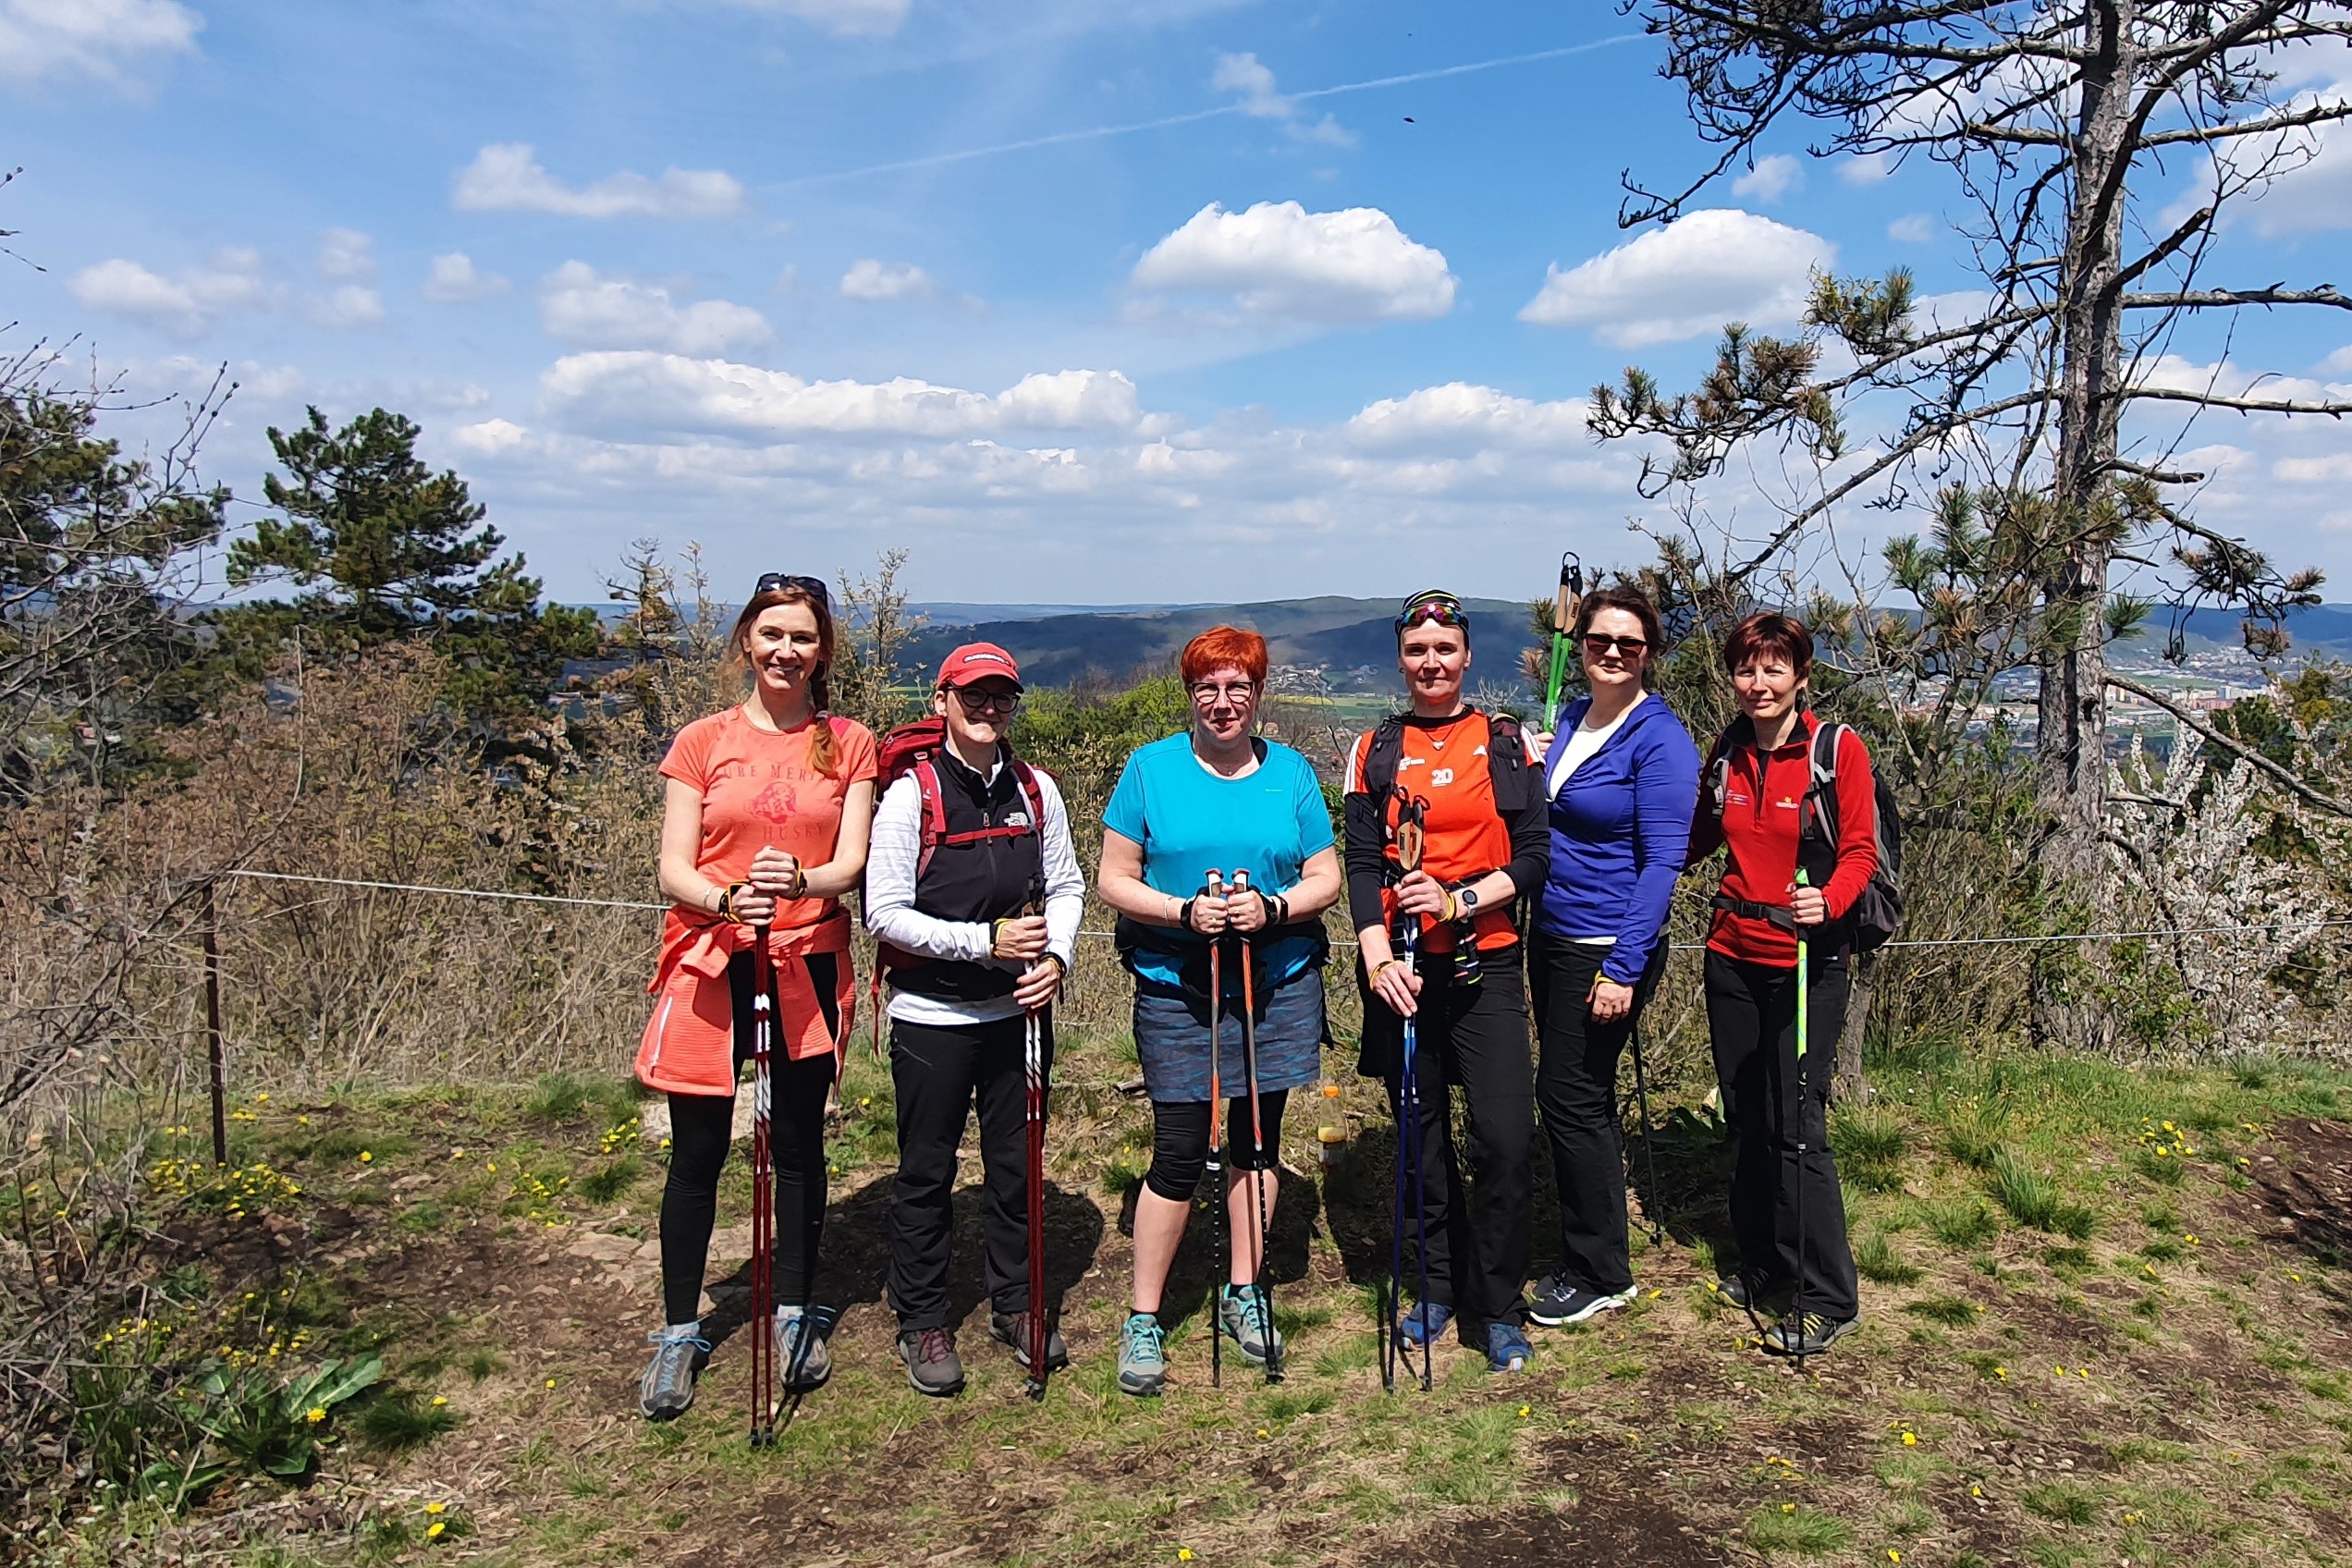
point(890, 914)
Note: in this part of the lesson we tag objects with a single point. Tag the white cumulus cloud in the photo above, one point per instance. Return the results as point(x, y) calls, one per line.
point(881, 281)
point(1867, 169)
point(346, 255)
point(1254, 80)
point(95, 40)
point(1912, 229)
point(490, 437)
point(844, 18)
point(507, 177)
point(1461, 414)
point(455, 280)
point(1686, 280)
point(1771, 178)
point(1278, 260)
point(673, 392)
point(580, 305)
point(352, 305)
point(185, 305)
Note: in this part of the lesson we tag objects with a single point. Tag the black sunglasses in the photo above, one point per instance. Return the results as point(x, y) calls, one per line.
point(813, 586)
point(1598, 643)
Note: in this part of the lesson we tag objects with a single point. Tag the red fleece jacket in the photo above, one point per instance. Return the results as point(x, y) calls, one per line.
point(1759, 826)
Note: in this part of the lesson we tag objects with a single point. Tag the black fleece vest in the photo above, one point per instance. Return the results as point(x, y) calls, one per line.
point(989, 878)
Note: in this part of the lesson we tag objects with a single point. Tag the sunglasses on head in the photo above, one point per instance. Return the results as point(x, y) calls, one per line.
point(1598, 645)
point(1433, 609)
point(813, 586)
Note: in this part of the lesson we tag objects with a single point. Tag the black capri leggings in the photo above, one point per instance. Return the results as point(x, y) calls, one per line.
point(1180, 1141)
point(700, 1130)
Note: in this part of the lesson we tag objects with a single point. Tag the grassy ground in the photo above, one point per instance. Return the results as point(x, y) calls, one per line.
point(2108, 1316)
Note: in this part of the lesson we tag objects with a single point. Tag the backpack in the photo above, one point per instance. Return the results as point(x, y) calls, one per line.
point(1877, 913)
point(1510, 779)
point(915, 748)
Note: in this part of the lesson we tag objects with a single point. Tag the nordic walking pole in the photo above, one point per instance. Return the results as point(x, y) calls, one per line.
point(1213, 1171)
point(1261, 1275)
point(1649, 1149)
point(1804, 1122)
point(1410, 812)
point(1033, 1064)
point(763, 1202)
point(1564, 621)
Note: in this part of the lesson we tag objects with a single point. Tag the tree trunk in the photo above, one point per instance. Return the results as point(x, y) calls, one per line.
point(1850, 1087)
point(2070, 748)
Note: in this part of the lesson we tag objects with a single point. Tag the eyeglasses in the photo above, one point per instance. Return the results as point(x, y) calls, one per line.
point(1598, 646)
point(813, 586)
point(1238, 692)
point(1435, 607)
point(974, 700)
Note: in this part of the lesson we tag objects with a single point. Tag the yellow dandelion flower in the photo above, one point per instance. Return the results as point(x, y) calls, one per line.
point(1894, 1556)
point(1263, 1433)
point(1525, 1411)
point(551, 1382)
point(1976, 1492)
point(440, 1399)
point(1910, 1440)
point(316, 1414)
point(432, 1531)
point(366, 1159)
point(1788, 1508)
point(1183, 1554)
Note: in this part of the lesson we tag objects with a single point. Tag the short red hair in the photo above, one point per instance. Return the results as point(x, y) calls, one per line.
point(1770, 633)
point(1220, 647)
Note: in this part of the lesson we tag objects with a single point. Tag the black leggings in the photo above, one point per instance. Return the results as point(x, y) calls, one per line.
point(1180, 1141)
point(701, 1126)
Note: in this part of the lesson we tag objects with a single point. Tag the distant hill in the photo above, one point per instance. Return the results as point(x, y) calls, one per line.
point(1058, 649)
point(2324, 630)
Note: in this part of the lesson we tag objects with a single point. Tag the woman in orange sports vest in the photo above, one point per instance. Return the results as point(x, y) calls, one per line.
point(1483, 846)
point(765, 822)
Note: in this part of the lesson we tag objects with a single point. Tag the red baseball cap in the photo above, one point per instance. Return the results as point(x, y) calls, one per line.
point(977, 661)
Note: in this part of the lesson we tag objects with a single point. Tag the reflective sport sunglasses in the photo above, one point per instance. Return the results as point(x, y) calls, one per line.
point(1435, 607)
point(1596, 644)
point(813, 586)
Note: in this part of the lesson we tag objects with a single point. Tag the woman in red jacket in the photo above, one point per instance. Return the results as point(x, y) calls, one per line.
point(1754, 800)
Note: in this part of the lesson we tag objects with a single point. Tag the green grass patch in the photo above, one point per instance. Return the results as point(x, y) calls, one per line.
point(1870, 1145)
point(1961, 1224)
point(1876, 1259)
point(1950, 1311)
point(611, 1178)
point(2037, 1201)
point(404, 1419)
point(2061, 1503)
point(1797, 1531)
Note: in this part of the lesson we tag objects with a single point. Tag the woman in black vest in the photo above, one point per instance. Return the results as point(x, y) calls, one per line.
point(965, 960)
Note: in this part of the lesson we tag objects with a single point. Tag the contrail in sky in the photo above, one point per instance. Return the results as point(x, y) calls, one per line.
point(1097, 133)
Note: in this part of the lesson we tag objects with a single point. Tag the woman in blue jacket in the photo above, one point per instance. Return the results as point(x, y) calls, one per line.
point(1622, 775)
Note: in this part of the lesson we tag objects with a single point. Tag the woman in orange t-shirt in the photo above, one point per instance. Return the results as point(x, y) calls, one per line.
point(764, 823)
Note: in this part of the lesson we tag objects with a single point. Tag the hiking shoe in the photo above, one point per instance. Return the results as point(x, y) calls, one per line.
point(667, 1387)
point(1247, 1312)
point(1425, 1324)
point(801, 1350)
point(1753, 1296)
point(933, 1367)
point(1507, 1348)
point(1558, 1303)
point(1806, 1334)
point(1013, 1329)
point(1142, 1363)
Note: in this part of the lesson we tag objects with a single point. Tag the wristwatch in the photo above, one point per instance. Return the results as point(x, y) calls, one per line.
point(1467, 897)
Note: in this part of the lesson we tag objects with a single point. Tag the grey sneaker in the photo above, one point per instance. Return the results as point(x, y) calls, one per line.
point(1247, 1312)
point(1142, 1363)
point(1559, 1302)
point(1806, 1334)
point(932, 1363)
point(667, 1387)
point(1013, 1329)
point(801, 1350)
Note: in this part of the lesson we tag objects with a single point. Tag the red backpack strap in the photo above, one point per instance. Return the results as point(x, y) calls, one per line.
point(934, 815)
point(1028, 777)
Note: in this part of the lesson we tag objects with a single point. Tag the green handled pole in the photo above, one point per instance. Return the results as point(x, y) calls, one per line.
point(1801, 981)
point(1804, 1122)
point(1563, 621)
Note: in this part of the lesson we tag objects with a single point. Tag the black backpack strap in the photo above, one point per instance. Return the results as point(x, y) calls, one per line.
point(1509, 774)
point(1380, 759)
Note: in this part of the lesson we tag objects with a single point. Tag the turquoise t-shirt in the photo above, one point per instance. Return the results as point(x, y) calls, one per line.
point(1268, 823)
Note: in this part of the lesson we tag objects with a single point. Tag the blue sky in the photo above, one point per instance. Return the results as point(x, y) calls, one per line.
point(746, 273)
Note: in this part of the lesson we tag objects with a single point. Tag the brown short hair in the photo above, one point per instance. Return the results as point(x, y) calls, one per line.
point(1770, 633)
point(824, 753)
point(1222, 645)
point(1633, 601)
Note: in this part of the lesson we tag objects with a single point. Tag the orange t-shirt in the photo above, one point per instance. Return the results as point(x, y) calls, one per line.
point(760, 791)
point(1461, 836)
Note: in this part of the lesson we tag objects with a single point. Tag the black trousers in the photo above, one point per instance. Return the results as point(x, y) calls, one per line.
point(700, 1129)
point(1751, 1013)
point(940, 1071)
point(1576, 1089)
point(1473, 1038)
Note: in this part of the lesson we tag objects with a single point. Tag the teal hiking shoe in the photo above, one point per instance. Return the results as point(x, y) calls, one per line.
point(1425, 1324)
point(1143, 1361)
point(1507, 1348)
point(1246, 1312)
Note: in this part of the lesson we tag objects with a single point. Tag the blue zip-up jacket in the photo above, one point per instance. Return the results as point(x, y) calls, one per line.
point(1619, 830)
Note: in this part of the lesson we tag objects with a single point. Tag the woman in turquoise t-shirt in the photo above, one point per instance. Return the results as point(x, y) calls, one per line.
point(1218, 798)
